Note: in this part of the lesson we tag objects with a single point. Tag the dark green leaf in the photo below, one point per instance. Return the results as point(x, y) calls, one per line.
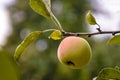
point(42, 7)
point(22, 46)
point(114, 40)
point(109, 73)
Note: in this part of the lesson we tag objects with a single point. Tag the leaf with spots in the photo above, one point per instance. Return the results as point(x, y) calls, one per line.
point(109, 73)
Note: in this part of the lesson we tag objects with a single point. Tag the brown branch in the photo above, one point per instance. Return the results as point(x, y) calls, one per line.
point(90, 34)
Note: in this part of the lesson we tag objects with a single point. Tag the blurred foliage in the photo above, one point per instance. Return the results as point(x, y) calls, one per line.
point(39, 61)
point(8, 67)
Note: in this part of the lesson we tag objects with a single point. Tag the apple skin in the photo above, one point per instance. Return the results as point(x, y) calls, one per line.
point(74, 52)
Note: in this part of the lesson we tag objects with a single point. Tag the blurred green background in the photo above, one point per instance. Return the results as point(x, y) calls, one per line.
point(39, 61)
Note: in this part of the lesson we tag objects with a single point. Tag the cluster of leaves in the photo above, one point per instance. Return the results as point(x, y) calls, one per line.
point(43, 7)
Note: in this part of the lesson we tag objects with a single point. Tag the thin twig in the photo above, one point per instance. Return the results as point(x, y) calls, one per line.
point(90, 34)
point(57, 23)
point(48, 30)
point(99, 29)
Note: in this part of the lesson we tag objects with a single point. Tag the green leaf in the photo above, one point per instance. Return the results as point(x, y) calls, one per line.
point(109, 73)
point(42, 7)
point(8, 68)
point(56, 35)
point(22, 46)
point(114, 40)
point(90, 18)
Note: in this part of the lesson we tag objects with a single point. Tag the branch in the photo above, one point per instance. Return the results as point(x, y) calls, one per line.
point(90, 34)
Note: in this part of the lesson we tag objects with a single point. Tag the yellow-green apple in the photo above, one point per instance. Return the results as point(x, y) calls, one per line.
point(75, 52)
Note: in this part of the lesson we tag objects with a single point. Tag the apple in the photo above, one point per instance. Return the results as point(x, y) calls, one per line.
point(74, 52)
